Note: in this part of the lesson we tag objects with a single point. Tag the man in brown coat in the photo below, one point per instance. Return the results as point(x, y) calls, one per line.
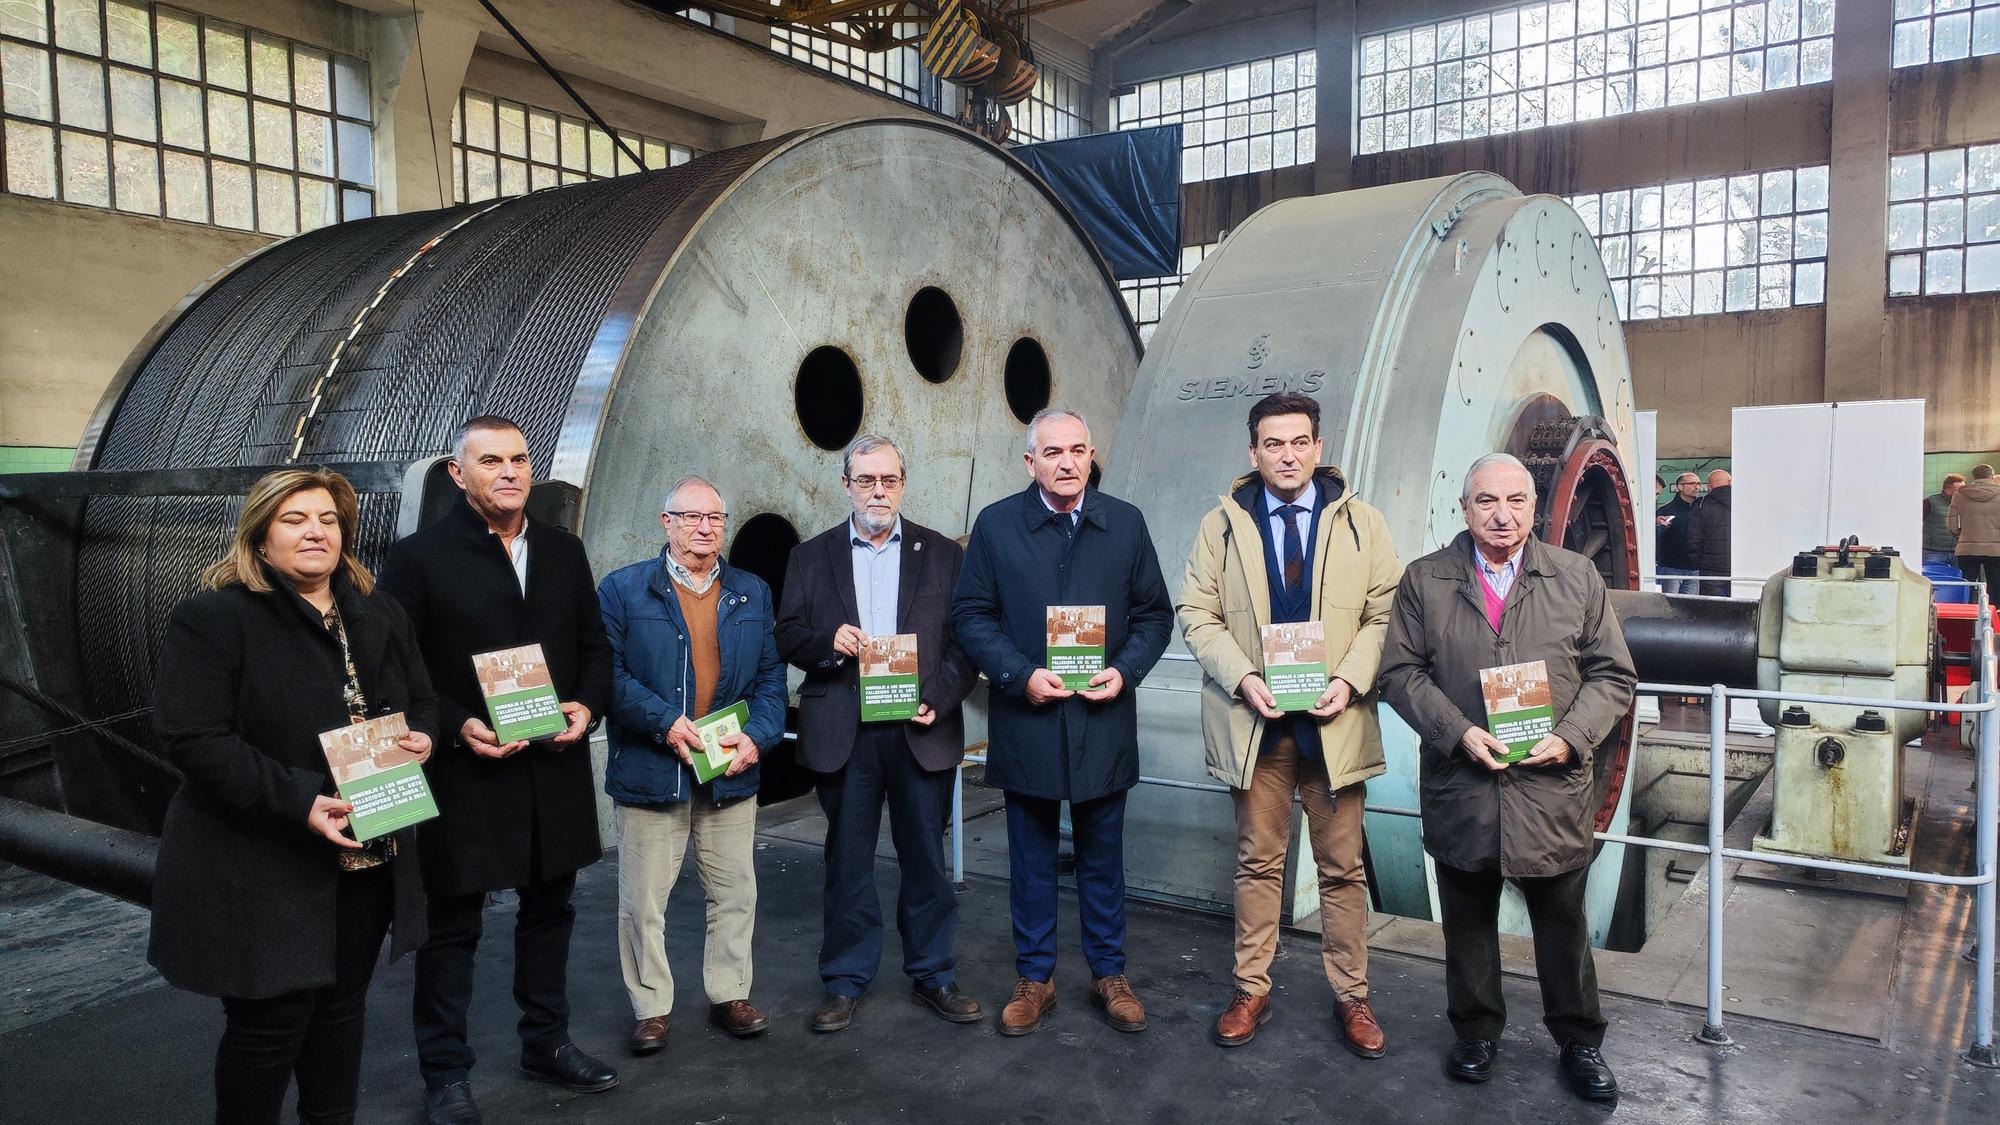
point(1975, 520)
point(1497, 596)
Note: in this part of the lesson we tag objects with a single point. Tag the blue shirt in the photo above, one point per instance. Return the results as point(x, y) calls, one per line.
point(878, 579)
point(1309, 500)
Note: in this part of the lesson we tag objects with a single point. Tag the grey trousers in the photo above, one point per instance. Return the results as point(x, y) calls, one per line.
point(651, 846)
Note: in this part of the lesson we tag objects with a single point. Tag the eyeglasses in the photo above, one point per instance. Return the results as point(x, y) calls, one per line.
point(868, 483)
point(696, 519)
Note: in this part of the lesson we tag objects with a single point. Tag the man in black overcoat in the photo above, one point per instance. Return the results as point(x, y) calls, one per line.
point(518, 816)
point(1063, 543)
point(877, 574)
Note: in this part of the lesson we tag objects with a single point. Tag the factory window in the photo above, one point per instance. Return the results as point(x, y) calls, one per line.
point(149, 109)
point(1942, 30)
point(895, 72)
point(1058, 109)
point(1530, 65)
point(1251, 117)
point(1944, 221)
point(501, 147)
point(1728, 244)
point(697, 15)
point(1147, 298)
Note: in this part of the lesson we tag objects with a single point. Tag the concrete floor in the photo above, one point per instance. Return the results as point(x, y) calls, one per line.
point(73, 1054)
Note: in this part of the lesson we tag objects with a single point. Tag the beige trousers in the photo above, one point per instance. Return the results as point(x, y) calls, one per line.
point(651, 846)
point(1263, 831)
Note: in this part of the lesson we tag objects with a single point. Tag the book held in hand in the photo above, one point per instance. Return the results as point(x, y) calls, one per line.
point(889, 678)
point(1076, 643)
point(384, 782)
point(520, 697)
point(1519, 710)
point(713, 758)
point(1295, 663)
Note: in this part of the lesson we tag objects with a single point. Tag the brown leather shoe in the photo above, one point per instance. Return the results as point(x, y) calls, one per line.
point(1122, 1009)
point(1239, 1023)
point(738, 1018)
point(1032, 1002)
point(1358, 1027)
point(649, 1035)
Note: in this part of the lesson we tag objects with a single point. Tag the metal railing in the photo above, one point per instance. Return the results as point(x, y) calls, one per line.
point(1981, 1051)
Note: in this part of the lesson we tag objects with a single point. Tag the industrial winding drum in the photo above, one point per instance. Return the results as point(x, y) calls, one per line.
point(741, 316)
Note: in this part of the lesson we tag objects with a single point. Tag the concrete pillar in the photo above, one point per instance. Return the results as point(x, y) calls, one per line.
point(1333, 42)
point(415, 94)
point(1858, 202)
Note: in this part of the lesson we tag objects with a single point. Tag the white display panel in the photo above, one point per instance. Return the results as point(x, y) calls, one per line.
point(1807, 476)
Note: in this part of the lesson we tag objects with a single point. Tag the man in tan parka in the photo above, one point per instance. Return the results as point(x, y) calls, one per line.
point(1290, 543)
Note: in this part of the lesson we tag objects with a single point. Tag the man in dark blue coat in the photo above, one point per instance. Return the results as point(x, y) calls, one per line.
point(1062, 543)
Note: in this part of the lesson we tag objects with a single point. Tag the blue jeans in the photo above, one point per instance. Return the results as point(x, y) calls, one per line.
point(1944, 558)
point(1098, 829)
point(1677, 585)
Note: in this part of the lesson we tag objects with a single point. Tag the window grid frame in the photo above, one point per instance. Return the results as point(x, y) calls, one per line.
point(818, 53)
point(1624, 74)
point(106, 66)
point(462, 149)
point(1957, 250)
point(1754, 264)
point(1129, 111)
point(1915, 23)
point(1071, 118)
point(1163, 289)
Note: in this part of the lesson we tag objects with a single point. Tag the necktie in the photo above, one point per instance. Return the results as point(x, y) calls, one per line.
point(1295, 551)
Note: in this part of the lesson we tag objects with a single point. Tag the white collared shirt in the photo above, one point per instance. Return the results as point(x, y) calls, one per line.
point(1501, 578)
point(1075, 514)
point(517, 552)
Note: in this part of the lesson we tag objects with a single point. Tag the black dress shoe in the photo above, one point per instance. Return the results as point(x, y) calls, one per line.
point(834, 1013)
point(947, 1002)
point(569, 1067)
point(1471, 1060)
point(451, 1105)
point(1589, 1075)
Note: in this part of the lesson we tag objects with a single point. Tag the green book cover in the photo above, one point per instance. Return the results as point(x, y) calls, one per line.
point(1076, 643)
point(384, 782)
point(713, 757)
point(1295, 663)
point(889, 678)
point(520, 697)
point(1519, 710)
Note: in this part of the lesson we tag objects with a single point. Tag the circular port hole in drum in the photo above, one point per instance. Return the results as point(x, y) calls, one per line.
point(1027, 378)
point(762, 545)
point(934, 334)
point(828, 396)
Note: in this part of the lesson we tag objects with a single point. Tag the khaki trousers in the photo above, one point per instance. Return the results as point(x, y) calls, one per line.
point(1263, 831)
point(651, 846)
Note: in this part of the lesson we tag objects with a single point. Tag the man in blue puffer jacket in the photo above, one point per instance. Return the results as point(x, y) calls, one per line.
point(690, 635)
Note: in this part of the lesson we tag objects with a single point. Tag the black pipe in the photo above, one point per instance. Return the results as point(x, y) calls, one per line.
point(95, 856)
point(1689, 640)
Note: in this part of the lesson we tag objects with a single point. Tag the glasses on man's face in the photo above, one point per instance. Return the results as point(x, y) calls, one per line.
point(696, 519)
point(868, 483)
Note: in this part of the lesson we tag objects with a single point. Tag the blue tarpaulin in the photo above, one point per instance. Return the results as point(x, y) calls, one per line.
point(1125, 189)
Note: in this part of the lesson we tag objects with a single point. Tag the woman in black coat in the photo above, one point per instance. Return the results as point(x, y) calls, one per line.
point(260, 896)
